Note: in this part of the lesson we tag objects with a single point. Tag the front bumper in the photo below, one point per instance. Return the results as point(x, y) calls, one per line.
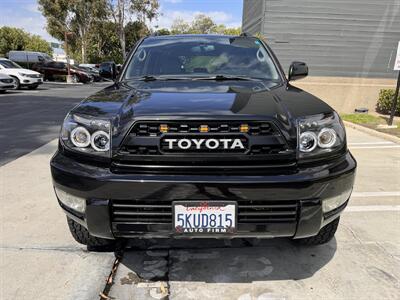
point(308, 187)
point(28, 81)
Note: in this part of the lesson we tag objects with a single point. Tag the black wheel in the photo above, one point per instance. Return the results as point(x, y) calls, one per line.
point(33, 87)
point(75, 78)
point(82, 236)
point(17, 83)
point(324, 235)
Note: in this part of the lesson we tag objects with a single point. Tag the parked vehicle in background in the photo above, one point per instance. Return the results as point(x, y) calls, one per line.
point(51, 70)
point(108, 70)
point(93, 71)
point(28, 58)
point(23, 77)
point(93, 66)
point(6, 83)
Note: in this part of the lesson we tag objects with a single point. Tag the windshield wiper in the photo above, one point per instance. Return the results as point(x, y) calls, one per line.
point(224, 77)
point(154, 78)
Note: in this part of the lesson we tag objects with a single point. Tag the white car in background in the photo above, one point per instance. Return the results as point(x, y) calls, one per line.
point(23, 77)
point(6, 83)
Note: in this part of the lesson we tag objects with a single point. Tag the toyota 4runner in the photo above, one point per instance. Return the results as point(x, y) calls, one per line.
point(203, 136)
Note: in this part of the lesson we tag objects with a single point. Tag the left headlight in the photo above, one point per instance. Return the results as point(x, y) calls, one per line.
point(86, 134)
point(320, 134)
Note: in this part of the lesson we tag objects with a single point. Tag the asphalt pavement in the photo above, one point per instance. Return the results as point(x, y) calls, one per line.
point(29, 119)
point(40, 260)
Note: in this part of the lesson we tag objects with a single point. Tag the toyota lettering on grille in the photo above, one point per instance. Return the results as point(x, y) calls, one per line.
point(192, 143)
point(210, 144)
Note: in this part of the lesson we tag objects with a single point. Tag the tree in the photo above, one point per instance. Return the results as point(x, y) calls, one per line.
point(36, 43)
point(134, 31)
point(163, 31)
point(17, 39)
point(76, 16)
point(179, 26)
point(202, 24)
point(122, 12)
point(12, 39)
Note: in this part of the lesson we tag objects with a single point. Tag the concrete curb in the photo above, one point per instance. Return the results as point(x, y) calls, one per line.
point(373, 132)
point(63, 83)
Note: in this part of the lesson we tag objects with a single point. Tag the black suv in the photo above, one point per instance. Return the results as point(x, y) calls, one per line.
point(203, 136)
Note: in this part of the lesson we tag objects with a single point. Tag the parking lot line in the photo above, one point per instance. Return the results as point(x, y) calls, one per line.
point(375, 194)
point(364, 208)
point(375, 147)
point(371, 143)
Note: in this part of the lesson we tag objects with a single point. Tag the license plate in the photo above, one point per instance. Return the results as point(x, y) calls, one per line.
point(204, 217)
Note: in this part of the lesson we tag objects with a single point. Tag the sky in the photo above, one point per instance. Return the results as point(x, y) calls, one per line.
point(25, 14)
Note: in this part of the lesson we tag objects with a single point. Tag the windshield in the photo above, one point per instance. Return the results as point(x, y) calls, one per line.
point(202, 57)
point(8, 64)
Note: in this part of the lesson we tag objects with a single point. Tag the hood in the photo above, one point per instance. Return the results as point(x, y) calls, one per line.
point(17, 70)
point(202, 99)
point(124, 103)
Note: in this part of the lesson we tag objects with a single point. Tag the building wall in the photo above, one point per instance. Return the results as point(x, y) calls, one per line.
point(346, 38)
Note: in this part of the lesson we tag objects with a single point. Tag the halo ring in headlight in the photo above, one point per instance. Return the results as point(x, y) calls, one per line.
point(327, 138)
point(80, 137)
point(308, 141)
point(100, 141)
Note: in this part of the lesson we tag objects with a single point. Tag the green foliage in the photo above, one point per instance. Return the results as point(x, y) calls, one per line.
point(134, 31)
point(202, 24)
point(17, 39)
point(362, 119)
point(163, 31)
point(36, 43)
point(385, 101)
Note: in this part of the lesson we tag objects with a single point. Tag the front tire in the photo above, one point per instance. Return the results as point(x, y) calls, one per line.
point(82, 236)
point(17, 83)
point(324, 235)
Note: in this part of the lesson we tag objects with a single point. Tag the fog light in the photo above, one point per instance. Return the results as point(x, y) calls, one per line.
point(336, 201)
point(76, 203)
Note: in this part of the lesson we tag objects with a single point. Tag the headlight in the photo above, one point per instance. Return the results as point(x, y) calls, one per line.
point(23, 74)
point(86, 134)
point(320, 134)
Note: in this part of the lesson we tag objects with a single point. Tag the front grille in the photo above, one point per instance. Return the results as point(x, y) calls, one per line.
point(160, 212)
point(153, 128)
point(146, 150)
point(34, 75)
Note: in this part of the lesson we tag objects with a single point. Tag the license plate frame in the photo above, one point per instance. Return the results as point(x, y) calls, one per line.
point(208, 207)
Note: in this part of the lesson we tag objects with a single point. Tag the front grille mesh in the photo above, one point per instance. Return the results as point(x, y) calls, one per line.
point(153, 128)
point(160, 212)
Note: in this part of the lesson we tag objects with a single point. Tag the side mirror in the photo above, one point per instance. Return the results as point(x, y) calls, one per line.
point(107, 70)
point(297, 70)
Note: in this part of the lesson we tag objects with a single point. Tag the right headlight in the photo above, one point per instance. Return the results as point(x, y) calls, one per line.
point(320, 134)
point(86, 134)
